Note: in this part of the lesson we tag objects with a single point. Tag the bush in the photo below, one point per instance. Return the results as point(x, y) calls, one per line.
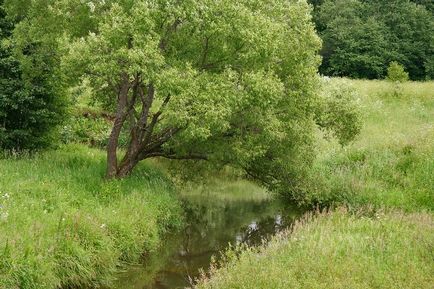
point(339, 112)
point(396, 72)
point(30, 105)
point(92, 131)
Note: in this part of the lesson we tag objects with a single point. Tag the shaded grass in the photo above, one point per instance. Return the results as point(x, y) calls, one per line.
point(337, 250)
point(63, 225)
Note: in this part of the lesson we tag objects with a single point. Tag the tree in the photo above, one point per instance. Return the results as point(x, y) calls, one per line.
point(29, 107)
point(229, 82)
point(362, 36)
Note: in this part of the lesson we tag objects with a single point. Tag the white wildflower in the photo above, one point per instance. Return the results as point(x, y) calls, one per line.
point(4, 216)
point(91, 6)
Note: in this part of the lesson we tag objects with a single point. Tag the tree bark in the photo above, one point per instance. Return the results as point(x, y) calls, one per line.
point(121, 114)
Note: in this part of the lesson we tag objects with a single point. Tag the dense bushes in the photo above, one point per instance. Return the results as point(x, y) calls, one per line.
point(362, 37)
point(30, 99)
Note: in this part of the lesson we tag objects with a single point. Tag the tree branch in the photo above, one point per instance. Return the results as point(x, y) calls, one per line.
point(190, 156)
point(150, 128)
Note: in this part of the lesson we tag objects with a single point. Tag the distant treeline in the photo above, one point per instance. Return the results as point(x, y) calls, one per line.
point(361, 37)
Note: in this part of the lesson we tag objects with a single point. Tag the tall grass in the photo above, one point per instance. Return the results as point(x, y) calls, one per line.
point(391, 163)
point(337, 250)
point(63, 225)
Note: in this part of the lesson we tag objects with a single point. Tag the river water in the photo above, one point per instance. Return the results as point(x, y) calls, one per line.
point(212, 225)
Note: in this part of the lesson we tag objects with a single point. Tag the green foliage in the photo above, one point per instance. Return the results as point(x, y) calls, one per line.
point(30, 105)
point(337, 250)
point(339, 110)
point(62, 225)
point(90, 130)
point(238, 92)
point(396, 72)
point(361, 37)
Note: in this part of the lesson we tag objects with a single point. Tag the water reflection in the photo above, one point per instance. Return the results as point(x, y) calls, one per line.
point(213, 224)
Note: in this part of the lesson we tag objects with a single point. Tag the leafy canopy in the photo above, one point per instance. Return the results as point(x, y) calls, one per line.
point(232, 82)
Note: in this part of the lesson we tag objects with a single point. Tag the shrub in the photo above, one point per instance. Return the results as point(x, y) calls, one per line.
point(396, 72)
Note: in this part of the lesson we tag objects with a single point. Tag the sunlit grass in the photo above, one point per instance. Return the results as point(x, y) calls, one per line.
point(337, 250)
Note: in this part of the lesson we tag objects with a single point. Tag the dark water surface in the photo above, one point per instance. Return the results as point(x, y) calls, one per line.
point(212, 224)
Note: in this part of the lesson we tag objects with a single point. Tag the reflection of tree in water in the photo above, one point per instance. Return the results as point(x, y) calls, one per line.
point(259, 231)
point(212, 225)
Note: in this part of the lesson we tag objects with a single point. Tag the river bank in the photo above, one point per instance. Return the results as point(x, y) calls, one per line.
point(217, 217)
point(63, 225)
point(337, 250)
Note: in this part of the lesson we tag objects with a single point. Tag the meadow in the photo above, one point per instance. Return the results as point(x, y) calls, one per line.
point(380, 234)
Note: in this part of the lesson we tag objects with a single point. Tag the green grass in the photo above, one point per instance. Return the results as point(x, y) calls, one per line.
point(63, 225)
point(337, 250)
point(391, 163)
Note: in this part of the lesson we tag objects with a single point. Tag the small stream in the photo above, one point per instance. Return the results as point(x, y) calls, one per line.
point(212, 224)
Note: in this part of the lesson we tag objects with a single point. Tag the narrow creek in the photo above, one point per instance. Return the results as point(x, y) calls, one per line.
point(212, 225)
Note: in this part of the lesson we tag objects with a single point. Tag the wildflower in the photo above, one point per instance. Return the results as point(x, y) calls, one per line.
point(103, 226)
point(4, 216)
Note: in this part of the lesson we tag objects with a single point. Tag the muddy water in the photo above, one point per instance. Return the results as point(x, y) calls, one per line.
point(212, 225)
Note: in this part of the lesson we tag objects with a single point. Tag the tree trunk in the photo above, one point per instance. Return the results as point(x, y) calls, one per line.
point(126, 168)
point(121, 113)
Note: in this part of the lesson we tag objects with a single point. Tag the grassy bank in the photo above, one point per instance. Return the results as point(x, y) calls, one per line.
point(62, 225)
point(391, 163)
point(338, 250)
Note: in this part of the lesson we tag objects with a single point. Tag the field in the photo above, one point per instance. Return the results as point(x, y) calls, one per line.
point(63, 225)
point(391, 163)
point(383, 237)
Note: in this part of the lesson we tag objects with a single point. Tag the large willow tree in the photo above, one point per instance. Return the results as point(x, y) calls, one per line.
point(224, 81)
